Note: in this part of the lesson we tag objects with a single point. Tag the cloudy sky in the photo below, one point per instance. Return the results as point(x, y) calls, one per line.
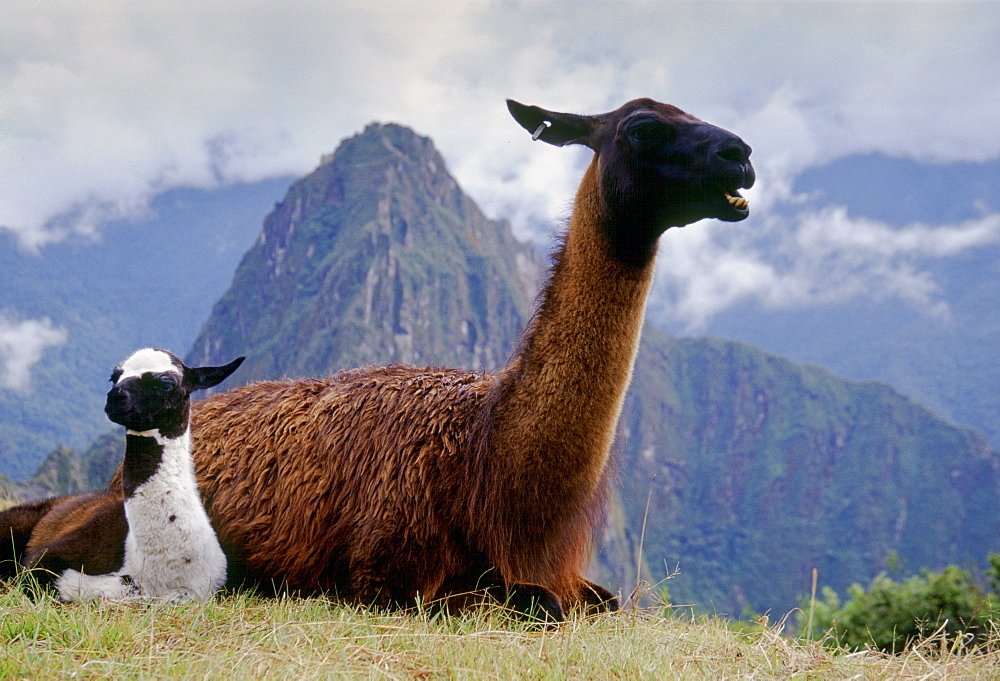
point(103, 104)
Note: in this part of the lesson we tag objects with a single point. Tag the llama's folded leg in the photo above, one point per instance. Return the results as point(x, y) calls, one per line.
point(75, 586)
point(535, 603)
point(594, 598)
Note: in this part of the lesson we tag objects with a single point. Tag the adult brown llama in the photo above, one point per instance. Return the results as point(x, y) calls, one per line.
point(384, 485)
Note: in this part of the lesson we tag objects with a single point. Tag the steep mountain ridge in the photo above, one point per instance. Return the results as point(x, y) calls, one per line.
point(375, 257)
point(758, 469)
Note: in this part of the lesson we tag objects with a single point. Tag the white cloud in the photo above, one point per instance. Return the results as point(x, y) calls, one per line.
point(815, 258)
point(104, 104)
point(22, 345)
point(832, 230)
point(107, 103)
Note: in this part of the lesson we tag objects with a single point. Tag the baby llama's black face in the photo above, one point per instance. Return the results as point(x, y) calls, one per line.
point(149, 394)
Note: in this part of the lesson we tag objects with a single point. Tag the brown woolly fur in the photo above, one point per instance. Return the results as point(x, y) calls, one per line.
point(387, 485)
point(362, 520)
point(385, 518)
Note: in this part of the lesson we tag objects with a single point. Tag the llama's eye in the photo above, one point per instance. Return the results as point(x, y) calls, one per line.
point(161, 382)
point(650, 131)
point(644, 133)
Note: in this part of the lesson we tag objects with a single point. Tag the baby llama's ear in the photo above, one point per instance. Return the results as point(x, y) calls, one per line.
point(207, 377)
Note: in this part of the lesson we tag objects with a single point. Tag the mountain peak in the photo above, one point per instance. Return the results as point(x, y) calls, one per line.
point(376, 256)
point(392, 139)
point(385, 155)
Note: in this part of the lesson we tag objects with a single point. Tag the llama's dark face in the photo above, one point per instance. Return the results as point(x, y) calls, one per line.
point(149, 393)
point(152, 391)
point(658, 166)
point(658, 161)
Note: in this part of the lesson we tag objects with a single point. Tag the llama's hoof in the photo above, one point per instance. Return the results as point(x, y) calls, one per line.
point(131, 588)
point(535, 603)
point(595, 599)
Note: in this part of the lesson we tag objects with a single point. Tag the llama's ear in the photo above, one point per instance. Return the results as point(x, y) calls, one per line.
point(553, 127)
point(207, 377)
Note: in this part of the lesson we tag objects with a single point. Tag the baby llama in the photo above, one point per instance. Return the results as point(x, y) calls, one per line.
point(171, 552)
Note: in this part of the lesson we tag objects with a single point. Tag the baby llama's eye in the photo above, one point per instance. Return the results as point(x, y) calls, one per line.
point(161, 382)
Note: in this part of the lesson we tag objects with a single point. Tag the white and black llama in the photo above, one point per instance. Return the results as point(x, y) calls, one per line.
point(171, 553)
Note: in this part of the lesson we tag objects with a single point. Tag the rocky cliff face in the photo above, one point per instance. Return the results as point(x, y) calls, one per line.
point(376, 257)
point(758, 469)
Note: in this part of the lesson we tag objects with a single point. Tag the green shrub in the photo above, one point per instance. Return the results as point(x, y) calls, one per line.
point(895, 615)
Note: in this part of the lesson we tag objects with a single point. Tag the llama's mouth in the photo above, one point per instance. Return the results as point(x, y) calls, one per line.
point(735, 200)
point(731, 206)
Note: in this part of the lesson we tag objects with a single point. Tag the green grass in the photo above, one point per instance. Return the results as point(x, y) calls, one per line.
point(239, 636)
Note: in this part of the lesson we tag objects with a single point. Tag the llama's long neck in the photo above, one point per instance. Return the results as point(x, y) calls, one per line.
point(171, 549)
point(556, 405)
point(156, 464)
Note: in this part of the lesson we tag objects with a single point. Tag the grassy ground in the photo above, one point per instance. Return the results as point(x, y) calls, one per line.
point(238, 636)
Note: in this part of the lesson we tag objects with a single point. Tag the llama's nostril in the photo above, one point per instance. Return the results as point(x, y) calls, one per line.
point(733, 153)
